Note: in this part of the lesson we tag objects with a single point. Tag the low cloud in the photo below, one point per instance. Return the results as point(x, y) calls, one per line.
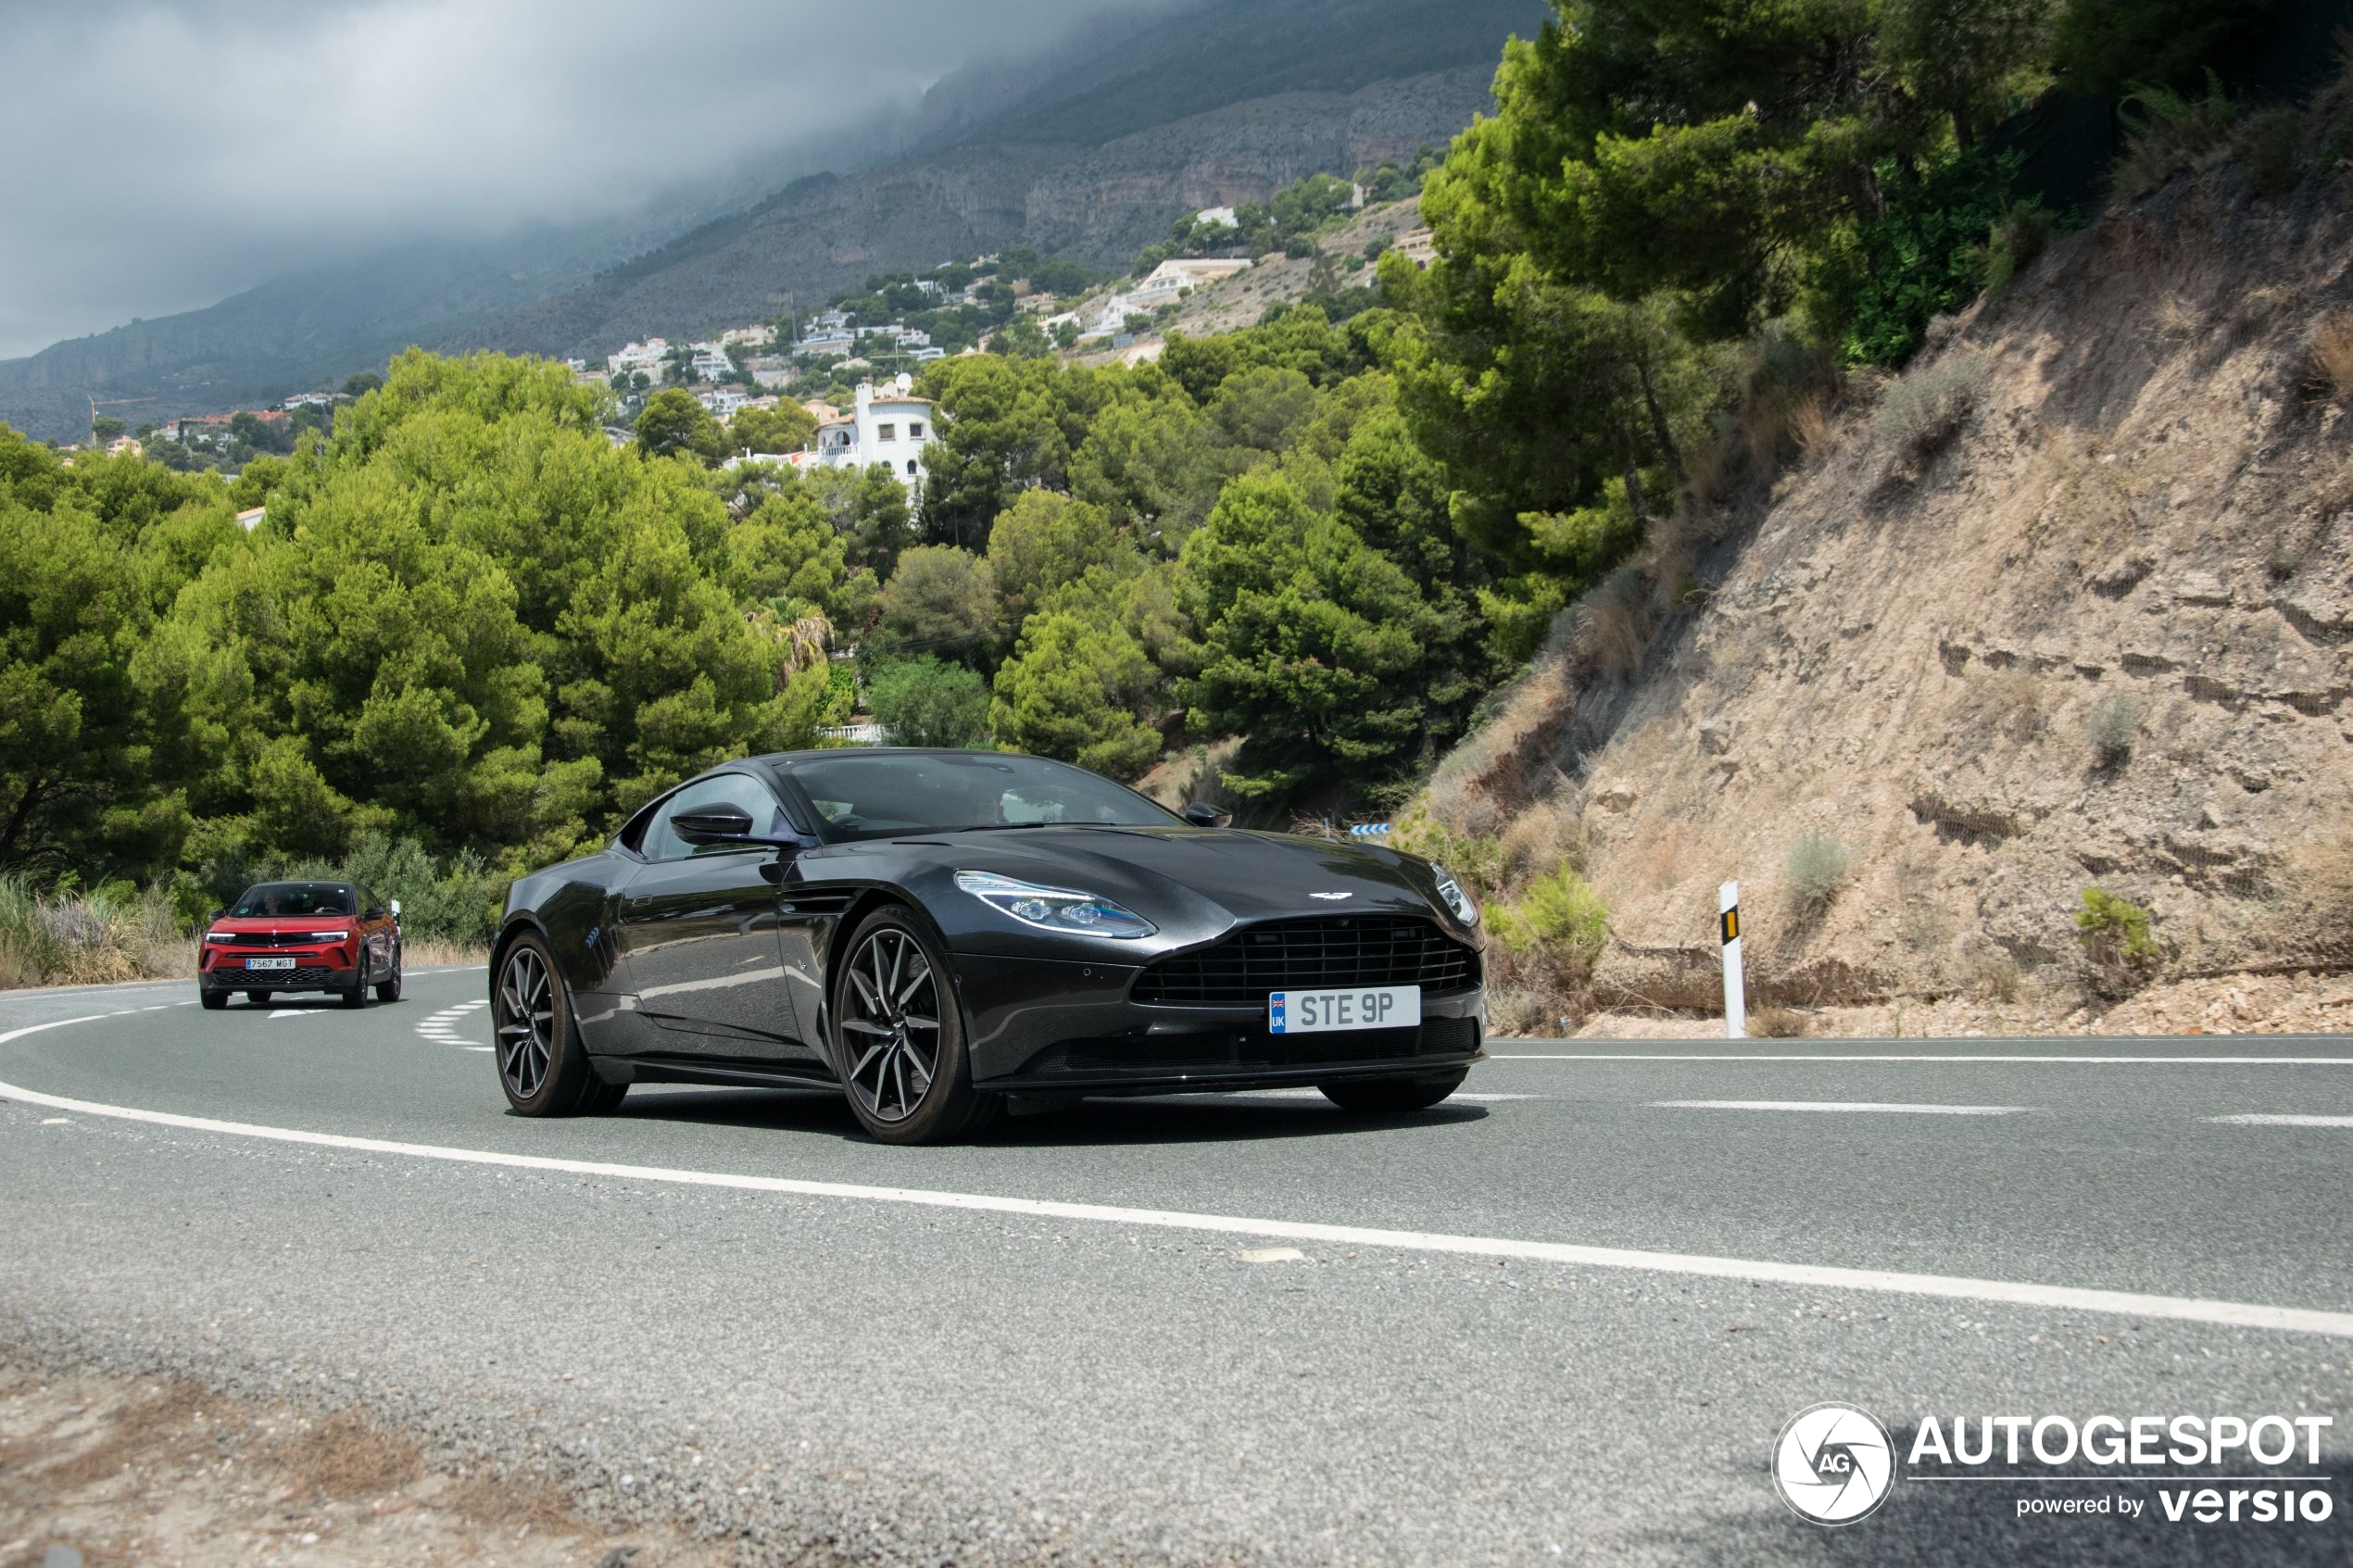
point(166, 155)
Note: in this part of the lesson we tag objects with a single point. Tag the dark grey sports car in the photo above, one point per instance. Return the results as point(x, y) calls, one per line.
point(940, 932)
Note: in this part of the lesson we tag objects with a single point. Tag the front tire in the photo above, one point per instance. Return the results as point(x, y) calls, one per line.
point(899, 1035)
point(542, 1065)
point(213, 1000)
point(1390, 1096)
point(259, 999)
point(388, 988)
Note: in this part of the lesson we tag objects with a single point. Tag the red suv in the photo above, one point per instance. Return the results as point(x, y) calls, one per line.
point(333, 936)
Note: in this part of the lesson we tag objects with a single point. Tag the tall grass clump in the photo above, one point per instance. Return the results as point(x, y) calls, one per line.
point(70, 937)
point(1926, 407)
point(2329, 367)
point(1818, 866)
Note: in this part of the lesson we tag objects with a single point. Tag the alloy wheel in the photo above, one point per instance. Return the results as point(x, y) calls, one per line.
point(891, 1025)
point(526, 1022)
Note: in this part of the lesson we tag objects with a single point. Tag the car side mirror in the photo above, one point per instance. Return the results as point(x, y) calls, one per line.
point(218, 914)
point(712, 825)
point(1203, 815)
point(372, 914)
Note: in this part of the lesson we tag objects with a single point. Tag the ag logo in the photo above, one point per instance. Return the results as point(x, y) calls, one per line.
point(1834, 1463)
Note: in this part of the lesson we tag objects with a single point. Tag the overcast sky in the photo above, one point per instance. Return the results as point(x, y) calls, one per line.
point(161, 156)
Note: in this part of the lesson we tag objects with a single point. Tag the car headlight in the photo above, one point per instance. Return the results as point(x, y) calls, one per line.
point(1054, 908)
point(1456, 899)
point(219, 936)
point(329, 935)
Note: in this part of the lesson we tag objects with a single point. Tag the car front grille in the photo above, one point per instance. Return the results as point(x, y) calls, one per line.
point(1324, 953)
point(234, 977)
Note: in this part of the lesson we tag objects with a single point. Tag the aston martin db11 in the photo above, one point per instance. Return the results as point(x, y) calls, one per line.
point(940, 935)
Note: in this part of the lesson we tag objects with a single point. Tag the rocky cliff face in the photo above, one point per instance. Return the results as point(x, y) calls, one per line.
point(2100, 637)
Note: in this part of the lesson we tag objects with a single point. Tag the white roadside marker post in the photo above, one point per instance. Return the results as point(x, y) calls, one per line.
point(1727, 901)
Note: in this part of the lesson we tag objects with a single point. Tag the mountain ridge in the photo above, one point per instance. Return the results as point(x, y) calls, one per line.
point(1097, 154)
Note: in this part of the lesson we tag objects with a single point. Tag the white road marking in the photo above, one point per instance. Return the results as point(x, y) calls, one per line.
point(1890, 1107)
point(290, 1012)
point(2061, 1298)
point(2284, 1121)
point(2101, 1060)
point(1247, 1094)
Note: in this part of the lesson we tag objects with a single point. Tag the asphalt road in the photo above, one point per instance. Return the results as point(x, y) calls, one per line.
point(1562, 1318)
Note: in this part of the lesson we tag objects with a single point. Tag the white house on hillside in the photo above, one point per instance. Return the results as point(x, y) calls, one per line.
point(645, 356)
point(888, 427)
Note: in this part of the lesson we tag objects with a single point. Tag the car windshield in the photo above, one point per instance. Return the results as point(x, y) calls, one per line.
point(883, 794)
point(298, 898)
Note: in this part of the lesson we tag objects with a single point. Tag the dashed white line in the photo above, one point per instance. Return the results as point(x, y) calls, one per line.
point(1889, 1107)
point(2060, 1297)
point(2265, 1120)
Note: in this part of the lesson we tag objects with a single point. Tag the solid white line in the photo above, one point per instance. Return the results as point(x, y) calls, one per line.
point(2228, 1315)
point(2102, 1060)
point(1838, 1105)
point(2284, 1121)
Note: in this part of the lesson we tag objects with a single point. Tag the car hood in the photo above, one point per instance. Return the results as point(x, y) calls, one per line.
point(1164, 872)
point(279, 924)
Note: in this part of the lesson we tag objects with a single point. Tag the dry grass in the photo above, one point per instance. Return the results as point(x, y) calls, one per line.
point(1921, 414)
point(88, 939)
point(345, 1456)
point(2011, 704)
point(153, 1422)
point(1615, 625)
point(1547, 833)
point(1778, 1024)
point(509, 1503)
point(1811, 426)
point(2329, 363)
point(1994, 976)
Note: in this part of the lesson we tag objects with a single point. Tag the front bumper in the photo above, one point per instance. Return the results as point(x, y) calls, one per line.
point(1042, 1027)
point(230, 974)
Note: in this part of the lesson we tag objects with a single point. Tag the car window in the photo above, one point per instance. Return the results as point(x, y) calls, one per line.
point(768, 818)
point(264, 899)
point(877, 794)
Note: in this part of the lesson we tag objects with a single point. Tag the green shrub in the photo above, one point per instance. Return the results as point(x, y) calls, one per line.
point(923, 701)
point(1927, 408)
point(2113, 725)
point(2021, 234)
point(1558, 917)
point(1818, 866)
point(2265, 142)
point(2117, 938)
point(1925, 256)
point(2169, 135)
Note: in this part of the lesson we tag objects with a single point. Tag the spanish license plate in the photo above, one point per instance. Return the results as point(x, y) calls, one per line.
point(269, 963)
point(1369, 1007)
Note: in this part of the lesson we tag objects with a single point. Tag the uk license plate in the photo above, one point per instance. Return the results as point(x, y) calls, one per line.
point(269, 963)
point(1367, 1007)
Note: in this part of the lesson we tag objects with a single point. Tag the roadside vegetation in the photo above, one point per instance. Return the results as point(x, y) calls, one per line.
point(470, 634)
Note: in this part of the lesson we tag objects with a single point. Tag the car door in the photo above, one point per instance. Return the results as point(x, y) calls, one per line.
point(697, 929)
